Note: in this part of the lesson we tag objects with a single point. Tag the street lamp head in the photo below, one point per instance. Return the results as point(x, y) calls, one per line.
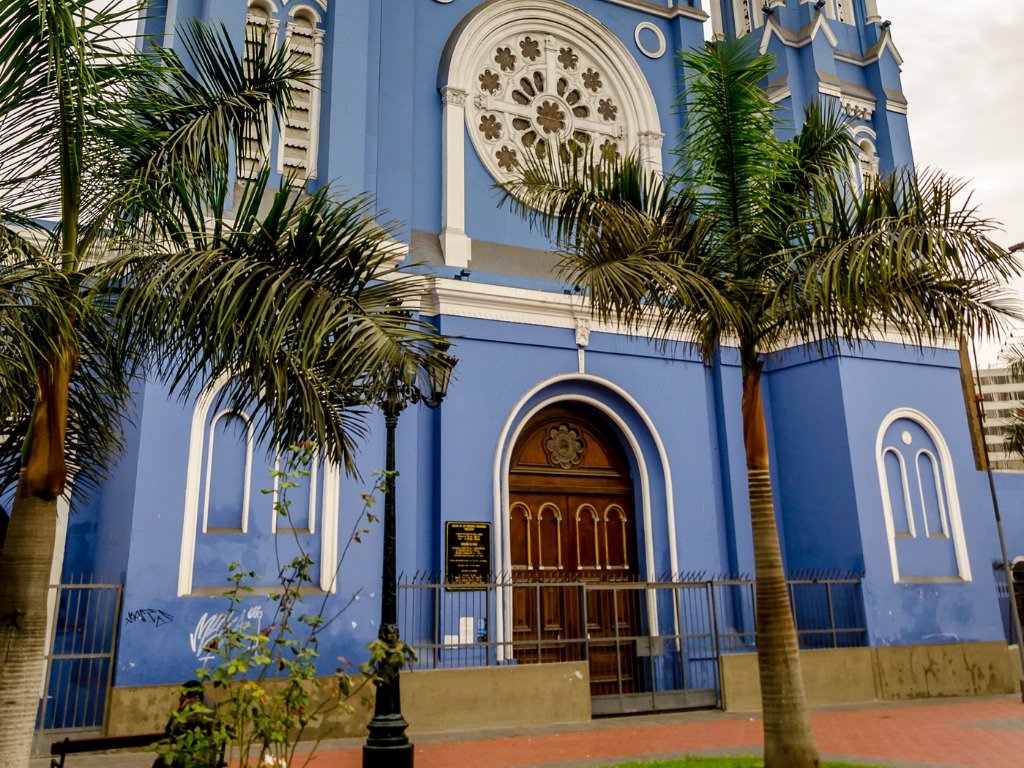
point(439, 374)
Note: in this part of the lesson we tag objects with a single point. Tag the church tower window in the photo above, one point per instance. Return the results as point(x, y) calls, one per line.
point(260, 38)
point(297, 149)
point(299, 131)
point(866, 166)
point(747, 16)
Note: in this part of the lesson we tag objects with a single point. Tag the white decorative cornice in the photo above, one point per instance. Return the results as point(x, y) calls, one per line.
point(797, 39)
point(830, 88)
point(895, 101)
point(499, 303)
point(853, 106)
point(665, 13)
point(780, 94)
point(483, 301)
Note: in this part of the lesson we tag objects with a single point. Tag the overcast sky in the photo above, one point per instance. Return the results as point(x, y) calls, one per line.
point(963, 74)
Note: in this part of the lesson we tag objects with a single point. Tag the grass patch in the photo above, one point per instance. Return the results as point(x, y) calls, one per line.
point(722, 762)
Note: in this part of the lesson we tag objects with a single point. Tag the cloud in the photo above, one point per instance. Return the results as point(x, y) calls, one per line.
point(965, 83)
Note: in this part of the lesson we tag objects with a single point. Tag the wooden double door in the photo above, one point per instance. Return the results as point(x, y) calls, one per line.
point(573, 534)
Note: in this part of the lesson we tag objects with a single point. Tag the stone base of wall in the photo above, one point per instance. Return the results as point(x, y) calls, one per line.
point(860, 675)
point(435, 700)
point(457, 699)
point(146, 709)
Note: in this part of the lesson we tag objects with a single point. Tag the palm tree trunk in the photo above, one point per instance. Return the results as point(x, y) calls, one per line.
point(788, 739)
point(24, 577)
point(27, 559)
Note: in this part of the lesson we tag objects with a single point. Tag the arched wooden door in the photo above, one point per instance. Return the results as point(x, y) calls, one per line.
point(572, 525)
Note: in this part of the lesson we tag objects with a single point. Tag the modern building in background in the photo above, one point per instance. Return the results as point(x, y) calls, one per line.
point(600, 472)
point(1002, 395)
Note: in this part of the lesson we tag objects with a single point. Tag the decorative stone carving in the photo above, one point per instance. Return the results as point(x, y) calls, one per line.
point(582, 333)
point(454, 96)
point(565, 446)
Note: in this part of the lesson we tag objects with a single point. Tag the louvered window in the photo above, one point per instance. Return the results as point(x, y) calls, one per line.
point(298, 146)
point(260, 37)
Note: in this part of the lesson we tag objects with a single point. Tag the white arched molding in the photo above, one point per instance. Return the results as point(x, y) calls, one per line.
point(259, 21)
point(509, 435)
point(952, 505)
point(520, 74)
point(866, 165)
point(299, 142)
point(243, 525)
point(195, 478)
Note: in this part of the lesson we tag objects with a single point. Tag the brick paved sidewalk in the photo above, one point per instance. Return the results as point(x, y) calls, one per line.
point(961, 733)
point(951, 733)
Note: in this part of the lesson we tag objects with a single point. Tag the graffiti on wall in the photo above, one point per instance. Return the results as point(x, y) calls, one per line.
point(211, 626)
point(152, 616)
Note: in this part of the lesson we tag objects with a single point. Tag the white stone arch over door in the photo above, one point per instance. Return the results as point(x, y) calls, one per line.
point(516, 73)
point(519, 416)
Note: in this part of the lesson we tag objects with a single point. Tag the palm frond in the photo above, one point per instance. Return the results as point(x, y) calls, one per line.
point(560, 189)
point(44, 308)
point(729, 153)
point(911, 255)
point(297, 301)
point(1013, 433)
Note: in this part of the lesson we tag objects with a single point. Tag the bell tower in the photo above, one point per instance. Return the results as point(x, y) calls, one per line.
point(833, 51)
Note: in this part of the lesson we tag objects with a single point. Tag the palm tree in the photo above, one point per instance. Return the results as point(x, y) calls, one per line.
point(755, 242)
point(120, 247)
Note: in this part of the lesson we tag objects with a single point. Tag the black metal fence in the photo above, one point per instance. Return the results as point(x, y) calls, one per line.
point(1006, 597)
point(649, 645)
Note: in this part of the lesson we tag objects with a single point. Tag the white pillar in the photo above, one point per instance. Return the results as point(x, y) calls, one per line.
point(455, 244)
point(314, 103)
point(650, 150)
point(717, 25)
point(871, 6)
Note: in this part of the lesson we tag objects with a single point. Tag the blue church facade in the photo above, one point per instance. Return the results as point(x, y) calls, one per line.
point(426, 104)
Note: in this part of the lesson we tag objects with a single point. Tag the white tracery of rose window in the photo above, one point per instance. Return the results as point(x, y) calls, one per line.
point(537, 91)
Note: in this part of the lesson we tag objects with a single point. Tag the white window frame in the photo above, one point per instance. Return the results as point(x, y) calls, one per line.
point(952, 499)
point(330, 505)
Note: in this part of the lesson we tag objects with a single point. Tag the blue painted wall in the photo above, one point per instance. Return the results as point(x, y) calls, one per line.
point(680, 421)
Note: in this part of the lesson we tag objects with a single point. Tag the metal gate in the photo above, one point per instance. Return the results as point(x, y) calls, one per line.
point(80, 662)
point(657, 648)
point(663, 655)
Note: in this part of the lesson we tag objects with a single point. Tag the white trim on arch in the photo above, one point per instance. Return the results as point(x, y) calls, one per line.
point(939, 493)
point(510, 432)
point(247, 477)
point(956, 527)
point(908, 505)
point(330, 506)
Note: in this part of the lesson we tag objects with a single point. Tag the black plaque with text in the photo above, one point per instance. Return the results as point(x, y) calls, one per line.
point(467, 555)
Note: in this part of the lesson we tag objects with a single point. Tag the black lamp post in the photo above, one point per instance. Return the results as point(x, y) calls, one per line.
point(387, 746)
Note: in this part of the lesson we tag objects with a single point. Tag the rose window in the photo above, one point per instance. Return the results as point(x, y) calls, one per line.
point(535, 92)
